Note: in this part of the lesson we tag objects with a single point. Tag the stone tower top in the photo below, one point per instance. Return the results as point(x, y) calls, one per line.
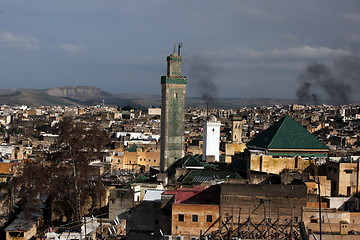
point(212, 118)
point(174, 65)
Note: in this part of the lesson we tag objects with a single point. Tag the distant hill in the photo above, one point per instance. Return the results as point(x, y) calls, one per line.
point(87, 95)
point(31, 97)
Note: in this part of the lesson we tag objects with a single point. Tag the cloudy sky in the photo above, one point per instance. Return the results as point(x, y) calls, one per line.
point(249, 48)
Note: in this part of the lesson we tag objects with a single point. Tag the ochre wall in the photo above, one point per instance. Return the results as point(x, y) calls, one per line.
point(189, 228)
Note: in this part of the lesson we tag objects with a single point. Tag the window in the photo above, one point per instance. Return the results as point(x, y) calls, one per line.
point(314, 220)
point(16, 234)
point(195, 218)
point(208, 218)
point(181, 217)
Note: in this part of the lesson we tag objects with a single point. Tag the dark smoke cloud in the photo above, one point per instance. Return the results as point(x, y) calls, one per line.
point(202, 75)
point(336, 83)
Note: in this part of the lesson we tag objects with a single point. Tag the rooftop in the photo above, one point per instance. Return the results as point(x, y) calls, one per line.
point(287, 134)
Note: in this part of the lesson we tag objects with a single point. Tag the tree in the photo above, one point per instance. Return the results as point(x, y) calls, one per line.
point(77, 146)
point(65, 176)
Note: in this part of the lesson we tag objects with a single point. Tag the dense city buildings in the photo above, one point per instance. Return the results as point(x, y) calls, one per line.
point(274, 160)
point(105, 172)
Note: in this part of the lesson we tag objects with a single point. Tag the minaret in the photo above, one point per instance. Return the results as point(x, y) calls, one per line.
point(211, 139)
point(236, 130)
point(172, 112)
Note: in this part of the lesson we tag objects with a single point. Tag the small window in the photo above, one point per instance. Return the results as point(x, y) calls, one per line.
point(195, 218)
point(208, 218)
point(175, 95)
point(16, 234)
point(314, 220)
point(181, 217)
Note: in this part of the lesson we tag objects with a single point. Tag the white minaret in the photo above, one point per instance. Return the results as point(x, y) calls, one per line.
point(211, 140)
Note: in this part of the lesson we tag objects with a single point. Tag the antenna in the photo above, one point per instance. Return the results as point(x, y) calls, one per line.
point(179, 47)
point(174, 47)
point(207, 108)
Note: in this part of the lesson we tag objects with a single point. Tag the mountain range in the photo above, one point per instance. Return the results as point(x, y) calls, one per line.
point(87, 95)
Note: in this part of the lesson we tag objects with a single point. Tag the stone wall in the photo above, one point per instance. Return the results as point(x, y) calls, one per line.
point(260, 201)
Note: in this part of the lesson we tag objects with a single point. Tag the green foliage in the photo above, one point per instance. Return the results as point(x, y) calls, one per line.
point(44, 128)
point(15, 131)
point(128, 108)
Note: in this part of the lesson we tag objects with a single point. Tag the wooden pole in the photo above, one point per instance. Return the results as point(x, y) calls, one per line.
point(320, 217)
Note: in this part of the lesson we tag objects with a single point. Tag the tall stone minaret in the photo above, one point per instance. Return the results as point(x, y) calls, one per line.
point(172, 112)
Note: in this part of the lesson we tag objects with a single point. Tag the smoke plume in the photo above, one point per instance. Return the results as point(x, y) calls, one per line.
point(335, 84)
point(202, 75)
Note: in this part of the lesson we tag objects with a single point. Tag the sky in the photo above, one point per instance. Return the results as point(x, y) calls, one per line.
point(249, 49)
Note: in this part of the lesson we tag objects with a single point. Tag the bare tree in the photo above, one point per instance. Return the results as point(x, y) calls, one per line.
point(64, 177)
point(77, 146)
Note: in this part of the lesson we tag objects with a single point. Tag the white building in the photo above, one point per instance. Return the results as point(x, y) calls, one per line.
point(211, 139)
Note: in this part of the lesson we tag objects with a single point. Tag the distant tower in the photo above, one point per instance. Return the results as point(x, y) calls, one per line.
point(211, 140)
point(236, 130)
point(172, 112)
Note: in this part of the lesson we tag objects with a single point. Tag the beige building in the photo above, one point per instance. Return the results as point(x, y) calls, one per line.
point(284, 145)
point(21, 229)
point(271, 164)
point(334, 224)
point(236, 144)
point(325, 186)
point(135, 158)
point(189, 220)
point(344, 176)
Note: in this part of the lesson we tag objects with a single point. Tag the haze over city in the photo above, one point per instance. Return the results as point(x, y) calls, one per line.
point(240, 48)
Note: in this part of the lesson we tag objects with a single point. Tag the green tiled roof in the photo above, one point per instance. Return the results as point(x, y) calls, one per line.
point(198, 176)
point(132, 148)
point(138, 179)
point(286, 134)
point(192, 161)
